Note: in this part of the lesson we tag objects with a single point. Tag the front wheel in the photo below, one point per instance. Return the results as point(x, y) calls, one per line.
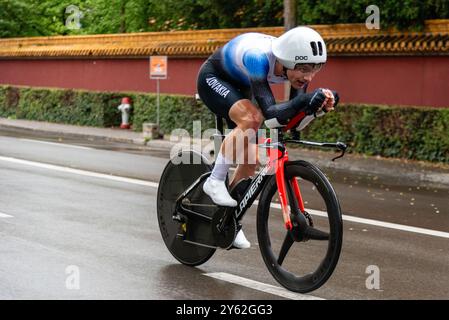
point(301, 263)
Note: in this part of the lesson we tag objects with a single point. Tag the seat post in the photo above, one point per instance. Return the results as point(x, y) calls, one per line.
point(219, 124)
point(218, 136)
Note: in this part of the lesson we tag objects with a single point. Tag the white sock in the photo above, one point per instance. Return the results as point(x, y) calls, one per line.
point(221, 168)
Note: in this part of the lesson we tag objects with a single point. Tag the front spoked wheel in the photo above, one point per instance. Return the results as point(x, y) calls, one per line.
point(303, 259)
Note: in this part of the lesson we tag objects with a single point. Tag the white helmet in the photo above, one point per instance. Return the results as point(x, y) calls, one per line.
point(299, 45)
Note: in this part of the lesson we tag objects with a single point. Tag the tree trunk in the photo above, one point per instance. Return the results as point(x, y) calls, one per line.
point(289, 14)
point(289, 23)
point(122, 17)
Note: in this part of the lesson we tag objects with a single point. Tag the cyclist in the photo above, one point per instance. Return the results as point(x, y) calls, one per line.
point(242, 70)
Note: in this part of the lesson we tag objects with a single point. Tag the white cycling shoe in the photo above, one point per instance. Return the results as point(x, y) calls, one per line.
point(218, 192)
point(240, 241)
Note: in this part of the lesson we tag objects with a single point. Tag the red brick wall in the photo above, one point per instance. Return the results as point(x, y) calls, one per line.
point(420, 81)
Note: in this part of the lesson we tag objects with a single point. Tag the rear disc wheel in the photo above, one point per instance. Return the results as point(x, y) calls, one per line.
point(176, 178)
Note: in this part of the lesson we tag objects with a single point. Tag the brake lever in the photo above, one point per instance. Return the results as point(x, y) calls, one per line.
point(342, 147)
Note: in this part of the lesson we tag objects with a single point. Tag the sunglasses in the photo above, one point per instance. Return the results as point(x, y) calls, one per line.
point(308, 67)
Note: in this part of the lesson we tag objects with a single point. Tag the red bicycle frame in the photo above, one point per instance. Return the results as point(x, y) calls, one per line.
point(279, 158)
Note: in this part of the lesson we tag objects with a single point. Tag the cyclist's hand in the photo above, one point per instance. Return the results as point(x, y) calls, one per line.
point(336, 97)
point(331, 100)
point(317, 99)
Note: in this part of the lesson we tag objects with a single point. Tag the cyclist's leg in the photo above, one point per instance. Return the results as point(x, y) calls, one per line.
point(231, 103)
point(243, 171)
point(248, 119)
point(219, 96)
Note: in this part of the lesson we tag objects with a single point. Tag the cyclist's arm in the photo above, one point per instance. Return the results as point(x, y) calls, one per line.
point(285, 111)
point(303, 122)
point(257, 66)
point(330, 102)
point(294, 92)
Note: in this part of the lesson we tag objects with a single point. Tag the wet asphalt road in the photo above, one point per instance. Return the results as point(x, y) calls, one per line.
point(62, 225)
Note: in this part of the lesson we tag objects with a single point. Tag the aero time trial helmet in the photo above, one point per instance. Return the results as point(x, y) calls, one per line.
point(299, 45)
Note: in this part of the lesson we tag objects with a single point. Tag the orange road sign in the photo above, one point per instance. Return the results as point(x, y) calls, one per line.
point(158, 67)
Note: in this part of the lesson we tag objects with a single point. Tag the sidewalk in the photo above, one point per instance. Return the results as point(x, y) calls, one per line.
point(416, 172)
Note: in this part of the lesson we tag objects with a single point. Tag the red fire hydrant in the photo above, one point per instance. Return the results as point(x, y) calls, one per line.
point(125, 108)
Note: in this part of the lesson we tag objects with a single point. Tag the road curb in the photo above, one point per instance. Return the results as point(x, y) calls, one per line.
point(68, 134)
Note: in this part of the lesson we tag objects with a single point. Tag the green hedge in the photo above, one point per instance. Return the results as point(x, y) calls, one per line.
point(175, 111)
point(99, 109)
point(62, 106)
point(404, 132)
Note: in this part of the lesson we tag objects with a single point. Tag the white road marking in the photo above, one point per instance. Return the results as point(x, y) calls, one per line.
point(80, 172)
point(4, 215)
point(260, 286)
point(376, 223)
point(57, 144)
point(372, 222)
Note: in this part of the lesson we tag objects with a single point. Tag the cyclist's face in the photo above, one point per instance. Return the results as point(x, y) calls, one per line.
point(302, 74)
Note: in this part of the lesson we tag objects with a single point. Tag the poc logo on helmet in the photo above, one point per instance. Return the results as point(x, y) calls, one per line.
point(302, 58)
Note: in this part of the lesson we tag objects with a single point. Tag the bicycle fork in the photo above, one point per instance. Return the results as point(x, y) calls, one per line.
point(280, 157)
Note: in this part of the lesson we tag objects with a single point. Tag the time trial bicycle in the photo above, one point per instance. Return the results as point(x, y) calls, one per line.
point(299, 220)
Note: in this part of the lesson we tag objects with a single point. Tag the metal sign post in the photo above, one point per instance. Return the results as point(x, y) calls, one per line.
point(158, 70)
point(157, 101)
